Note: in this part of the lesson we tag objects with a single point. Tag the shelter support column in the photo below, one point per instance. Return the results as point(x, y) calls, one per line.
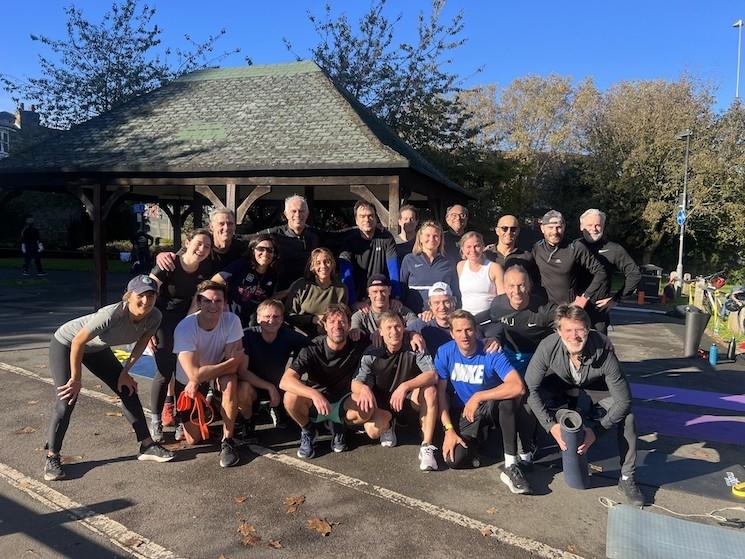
point(256, 193)
point(394, 206)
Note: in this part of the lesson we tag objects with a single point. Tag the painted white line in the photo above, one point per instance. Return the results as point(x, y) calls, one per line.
point(119, 535)
point(537, 548)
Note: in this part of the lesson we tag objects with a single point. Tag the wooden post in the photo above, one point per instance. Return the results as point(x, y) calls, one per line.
point(99, 247)
point(394, 206)
point(197, 213)
point(230, 196)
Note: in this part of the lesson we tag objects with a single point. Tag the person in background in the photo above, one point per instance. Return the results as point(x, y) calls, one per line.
point(31, 248)
point(408, 221)
point(456, 218)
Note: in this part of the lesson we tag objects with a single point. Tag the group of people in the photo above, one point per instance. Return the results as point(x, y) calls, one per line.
point(429, 325)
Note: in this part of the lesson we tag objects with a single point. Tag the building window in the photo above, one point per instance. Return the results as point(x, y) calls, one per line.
point(4, 143)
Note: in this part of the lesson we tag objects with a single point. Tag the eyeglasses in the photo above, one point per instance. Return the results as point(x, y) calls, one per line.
point(270, 250)
point(504, 229)
point(204, 301)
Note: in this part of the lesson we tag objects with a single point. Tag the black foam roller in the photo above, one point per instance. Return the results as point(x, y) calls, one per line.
point(573, 433)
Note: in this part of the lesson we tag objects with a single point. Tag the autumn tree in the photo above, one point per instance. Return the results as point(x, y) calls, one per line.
point(99, 66)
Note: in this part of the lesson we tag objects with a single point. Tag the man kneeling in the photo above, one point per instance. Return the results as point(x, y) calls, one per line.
point(393, 376)
point(329, 363)
point(477, 390)
point(209, 348)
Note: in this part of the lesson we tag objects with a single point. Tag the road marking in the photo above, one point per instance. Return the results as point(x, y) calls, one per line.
point(503, 536)
point(122, 537)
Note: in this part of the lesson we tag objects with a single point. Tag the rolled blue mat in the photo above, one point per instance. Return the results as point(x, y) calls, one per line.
point(573, 433)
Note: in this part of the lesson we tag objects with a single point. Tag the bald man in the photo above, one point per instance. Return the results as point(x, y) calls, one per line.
point(506, 252)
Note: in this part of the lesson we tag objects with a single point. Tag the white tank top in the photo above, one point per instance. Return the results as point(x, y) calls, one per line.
point(477, 290)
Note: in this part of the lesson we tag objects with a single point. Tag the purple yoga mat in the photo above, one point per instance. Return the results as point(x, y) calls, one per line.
point(675, 395)
point(716, 428)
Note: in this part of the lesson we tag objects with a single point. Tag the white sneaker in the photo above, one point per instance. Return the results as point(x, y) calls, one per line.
point(388, 438)
point(427, 461)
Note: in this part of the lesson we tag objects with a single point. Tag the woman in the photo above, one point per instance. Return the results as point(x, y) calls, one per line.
point(310, 296)
point(87, 341)
point(479, 280)
point(251, 279)
point(425, 266)
point(177, 289)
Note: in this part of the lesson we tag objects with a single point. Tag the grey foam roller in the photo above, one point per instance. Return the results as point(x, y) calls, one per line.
point(573, 433)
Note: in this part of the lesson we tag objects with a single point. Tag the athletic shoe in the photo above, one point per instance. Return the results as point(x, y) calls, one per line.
point(53, 468)
point(630, 490)
point(26, 274)
point(41, 275)
point(167, 415)
point(338, 438)
point(307, 440)
point(475, 462)
point(228, 454)
point(427, 460)
point(388, 438)
point(279, 417)
point(514, 478)
point(156, 432)
point(245, 431)
point(179, 434)
point(155, 453)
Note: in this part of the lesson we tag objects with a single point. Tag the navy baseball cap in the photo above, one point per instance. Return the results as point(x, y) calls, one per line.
point(141, 284)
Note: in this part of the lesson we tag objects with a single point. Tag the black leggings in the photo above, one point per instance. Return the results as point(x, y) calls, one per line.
point(165, 360)
point(105, 366)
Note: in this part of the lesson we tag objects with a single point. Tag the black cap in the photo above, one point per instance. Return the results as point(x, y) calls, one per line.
point(378, 279)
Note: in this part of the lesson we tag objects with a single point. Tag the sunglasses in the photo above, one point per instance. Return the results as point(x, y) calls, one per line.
point(270, 250)
point(504, 229)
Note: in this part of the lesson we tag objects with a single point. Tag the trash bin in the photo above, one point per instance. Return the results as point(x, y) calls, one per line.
point(696, 321)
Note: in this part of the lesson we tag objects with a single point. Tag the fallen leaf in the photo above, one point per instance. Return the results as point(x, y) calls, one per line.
point(97, 386)
point(221, 556)
point(486, 532)
point(26, 430)
point(293, 503)
point(571, 548)
point(240, 498)
point(32, 402)
point(492, 510)
point(24, 484)
point(133, 542)
point(276, 544)
point(114, 413)
point(320, 525)
point(71, 459)
point(245, 529)
point(250, 539)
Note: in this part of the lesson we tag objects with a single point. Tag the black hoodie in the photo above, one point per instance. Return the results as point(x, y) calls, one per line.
point(560, 267)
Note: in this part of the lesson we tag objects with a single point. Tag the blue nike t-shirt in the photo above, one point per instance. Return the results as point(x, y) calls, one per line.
point(468, 375)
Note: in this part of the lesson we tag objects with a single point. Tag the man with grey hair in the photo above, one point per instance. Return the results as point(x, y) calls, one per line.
point(560, 263)
point(613, 258)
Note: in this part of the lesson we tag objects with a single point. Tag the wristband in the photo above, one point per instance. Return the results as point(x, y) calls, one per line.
point(448, 426)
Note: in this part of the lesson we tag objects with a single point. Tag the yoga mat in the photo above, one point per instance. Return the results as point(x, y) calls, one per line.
point(574, 465)
point(638, 534)
point(675, 395)
point(728, 429)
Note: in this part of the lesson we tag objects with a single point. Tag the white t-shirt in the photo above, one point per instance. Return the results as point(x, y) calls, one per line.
point(208, 344)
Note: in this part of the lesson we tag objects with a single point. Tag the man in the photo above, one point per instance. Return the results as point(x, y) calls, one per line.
point(477, 390)
point(506, 252)
point(393, 378)
point(613, 258)
point(408, 221)
point(329, 363)
point(456, 218)
point(225, 246)
point(366, 322)
point(269, 346)
point(208, 345)
point(367, 250)
point(561, 262)
point(31, 248)
point(436, 330)
point(574, 368)
point(296, 240)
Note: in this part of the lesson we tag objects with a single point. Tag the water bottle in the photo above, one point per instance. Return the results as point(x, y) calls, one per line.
point(731, 348)
point(713, 355)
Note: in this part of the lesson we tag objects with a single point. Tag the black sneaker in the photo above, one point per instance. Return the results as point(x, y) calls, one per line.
point(339, 437)
point(245, 431)
point(228, 454)
point(155, 453)
point(514, 478)
point(630, 490)
point(53, 468)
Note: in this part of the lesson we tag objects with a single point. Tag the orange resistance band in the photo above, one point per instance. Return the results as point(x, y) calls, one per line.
point(199, 407)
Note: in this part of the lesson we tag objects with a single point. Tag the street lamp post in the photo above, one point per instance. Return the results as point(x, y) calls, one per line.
point(683, 208)
point(738, 24)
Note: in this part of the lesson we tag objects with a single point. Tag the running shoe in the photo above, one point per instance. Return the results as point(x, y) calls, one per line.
point(53, 468)
point(155, 453)
point(245, 431)
point(338, 438)
point(179, 434)
point(427, 460)
point(167, 415)
point(514, 478)
point(156, 431)
point(279, 417)
point(228, 454)
point(307, 440)
point(631, 491)
point(388, 438)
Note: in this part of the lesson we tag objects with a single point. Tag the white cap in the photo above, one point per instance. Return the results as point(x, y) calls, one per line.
point(440, 288)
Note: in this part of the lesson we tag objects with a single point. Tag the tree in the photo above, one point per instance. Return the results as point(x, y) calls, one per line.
point(407, 85)
point(102, 65)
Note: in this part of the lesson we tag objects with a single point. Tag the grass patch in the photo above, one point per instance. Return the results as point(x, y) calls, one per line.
point(65, 264)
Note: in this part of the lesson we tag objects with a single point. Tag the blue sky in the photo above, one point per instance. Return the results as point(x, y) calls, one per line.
point(610, 41)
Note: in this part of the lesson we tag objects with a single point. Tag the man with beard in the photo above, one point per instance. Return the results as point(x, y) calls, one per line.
point(574, 368)
point(614, 258)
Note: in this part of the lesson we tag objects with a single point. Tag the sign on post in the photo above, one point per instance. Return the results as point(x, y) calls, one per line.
point(681, 217)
